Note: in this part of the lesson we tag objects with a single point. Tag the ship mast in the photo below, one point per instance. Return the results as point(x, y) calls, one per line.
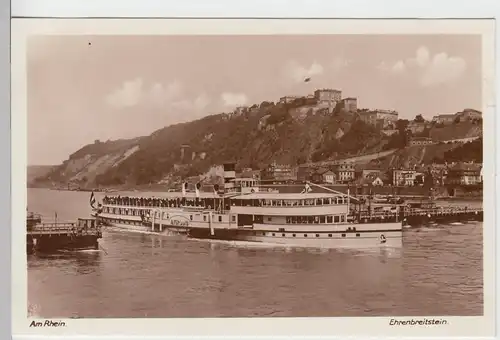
point(334, 191)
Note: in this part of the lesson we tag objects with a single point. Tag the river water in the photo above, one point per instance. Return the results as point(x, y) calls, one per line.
point(438, 271)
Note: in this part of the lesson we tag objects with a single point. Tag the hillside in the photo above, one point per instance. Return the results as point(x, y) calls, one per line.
point(293, 133)
point(456, 131)
point(36, 171)
point(436, 153)
point(83, 166)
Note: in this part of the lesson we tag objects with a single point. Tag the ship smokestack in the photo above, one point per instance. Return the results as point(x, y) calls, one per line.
point(229, 176)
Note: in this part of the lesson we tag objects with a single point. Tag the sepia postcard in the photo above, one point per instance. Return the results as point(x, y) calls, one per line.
point(260, 177)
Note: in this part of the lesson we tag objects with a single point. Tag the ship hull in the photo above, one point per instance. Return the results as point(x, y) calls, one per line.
point(389, 235)
point(55, 243)
point(363, 235)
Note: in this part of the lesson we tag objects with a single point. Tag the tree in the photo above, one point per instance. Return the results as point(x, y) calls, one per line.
point(428, 179)
point(401, 125)
point(265, 104)
point(419, 119)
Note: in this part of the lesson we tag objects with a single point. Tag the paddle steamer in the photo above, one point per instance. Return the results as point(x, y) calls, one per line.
point(243, 212)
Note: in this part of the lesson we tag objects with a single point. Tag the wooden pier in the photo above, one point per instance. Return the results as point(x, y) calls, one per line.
point(418, 217)
point(49, 237)
point(443, 215)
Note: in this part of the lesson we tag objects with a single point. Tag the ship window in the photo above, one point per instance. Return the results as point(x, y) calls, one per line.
point(269, 219)
point(329, 235)
point(342, 219)
point(329, 219)
point(294, 219)
point(354, 228)
point(310, 219)
point(288, 219)
point(191, 217)
point(316, 219)
point(220, 218)
point(283, 235)
point(204, 218)
point(305, 235)
point(317, 235)
point(263, 234)
point(281, 229)
point(274, 234)
point(293, 235)
point(357, 235)
point(233, 218)
point(322, 219)
point(343, 235)
point(336, 219)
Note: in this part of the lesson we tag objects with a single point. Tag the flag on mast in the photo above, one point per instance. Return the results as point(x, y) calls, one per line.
point(197, 189)
point(308, 79)
point(307, 189)
point(92, 200)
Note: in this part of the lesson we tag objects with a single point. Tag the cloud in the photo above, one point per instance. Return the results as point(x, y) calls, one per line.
point(160, 94)
point(298, 73)
point(234, 99)
point(134, 92)
point(127, 95)
point(429, 70)
point(198, 104)
point(339, 64)
point(423, 56)
point(443, 69)
point(382, 66)
point(398, 67)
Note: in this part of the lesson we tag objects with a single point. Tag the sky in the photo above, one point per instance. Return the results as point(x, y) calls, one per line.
point(83, 88)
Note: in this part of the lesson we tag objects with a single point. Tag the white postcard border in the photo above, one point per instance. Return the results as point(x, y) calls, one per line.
point(365, 326)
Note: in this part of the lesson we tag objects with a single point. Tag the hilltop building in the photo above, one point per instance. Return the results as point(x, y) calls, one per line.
point(444, 119)
point(385, 119)
point(468, 115)
point(350, 104)
point(288, 99)
point(328, 96)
